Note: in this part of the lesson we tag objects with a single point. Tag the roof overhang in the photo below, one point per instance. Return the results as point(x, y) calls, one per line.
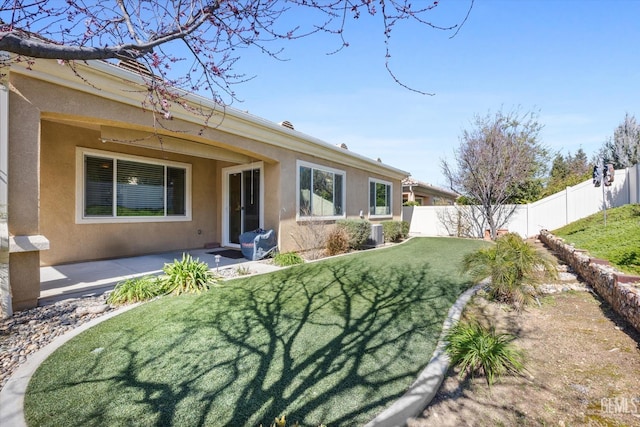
point(109, 81)
point(412, 185)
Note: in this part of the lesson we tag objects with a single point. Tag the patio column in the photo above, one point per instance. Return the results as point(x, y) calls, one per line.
point(23, 184)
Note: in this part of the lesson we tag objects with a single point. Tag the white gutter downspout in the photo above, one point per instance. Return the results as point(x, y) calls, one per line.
point(6, 309)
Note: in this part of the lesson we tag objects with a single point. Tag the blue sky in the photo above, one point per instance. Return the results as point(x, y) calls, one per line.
point(575, 62)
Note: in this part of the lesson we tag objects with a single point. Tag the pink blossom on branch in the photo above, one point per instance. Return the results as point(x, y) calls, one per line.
point(206, 36)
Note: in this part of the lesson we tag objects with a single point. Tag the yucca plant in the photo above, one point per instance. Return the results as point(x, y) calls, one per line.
point(481, 350)
point(514, 266)
point(136, 290)
point(243, 270)
point(187, 276)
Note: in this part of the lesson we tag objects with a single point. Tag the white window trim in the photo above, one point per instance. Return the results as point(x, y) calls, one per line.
point(80, 178)
point(323, 168)
point(379, 181)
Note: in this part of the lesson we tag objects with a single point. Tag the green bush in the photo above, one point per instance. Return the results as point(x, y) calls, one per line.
point(337, 242)
point(480, 350)
point(411, 203)
point(136, 290)
point(405, 229)
point(287, 259)
point(358, 231)
point(394, 231)
point(514, 266)
point(187, 276)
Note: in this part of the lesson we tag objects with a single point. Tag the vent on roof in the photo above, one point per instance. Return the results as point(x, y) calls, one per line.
point(287, 124)
point(344, 146)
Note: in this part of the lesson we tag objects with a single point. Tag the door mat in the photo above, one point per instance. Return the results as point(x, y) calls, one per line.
point(228, 253)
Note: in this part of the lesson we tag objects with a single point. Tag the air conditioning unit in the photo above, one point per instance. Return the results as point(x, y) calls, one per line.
point(377, 235)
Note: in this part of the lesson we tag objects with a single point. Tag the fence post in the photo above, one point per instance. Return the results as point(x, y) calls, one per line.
point(633, 176)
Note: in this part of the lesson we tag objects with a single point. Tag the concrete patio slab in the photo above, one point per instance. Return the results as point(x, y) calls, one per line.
point(97, 277)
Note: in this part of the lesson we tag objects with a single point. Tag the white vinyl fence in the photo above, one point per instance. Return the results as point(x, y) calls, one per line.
point(549, 213)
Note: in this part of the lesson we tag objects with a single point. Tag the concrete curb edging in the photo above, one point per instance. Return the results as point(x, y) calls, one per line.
point(425, 387)
point(12, 394)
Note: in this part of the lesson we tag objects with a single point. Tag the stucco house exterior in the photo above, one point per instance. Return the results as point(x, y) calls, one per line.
point(88, 173)
point(426, 194)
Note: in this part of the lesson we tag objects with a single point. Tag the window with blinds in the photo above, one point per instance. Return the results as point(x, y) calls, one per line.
point(122, 187)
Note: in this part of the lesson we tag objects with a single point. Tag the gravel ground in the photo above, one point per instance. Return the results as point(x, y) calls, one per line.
point(30, 330)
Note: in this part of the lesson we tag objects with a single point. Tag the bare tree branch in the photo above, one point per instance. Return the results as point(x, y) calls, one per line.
point(183, 46)
point(499, 154)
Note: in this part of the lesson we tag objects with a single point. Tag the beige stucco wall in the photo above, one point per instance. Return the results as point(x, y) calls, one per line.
point(24, 134)
point(23, 198)
point(73, 119)
point(293, 233)
point(71, 241)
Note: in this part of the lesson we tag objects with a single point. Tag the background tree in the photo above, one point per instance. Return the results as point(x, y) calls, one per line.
point(500, 154)
point(189, 45)
point(623, 150)
point(567, 171)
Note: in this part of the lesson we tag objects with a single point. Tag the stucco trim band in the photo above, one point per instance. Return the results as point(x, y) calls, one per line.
point(28, 243)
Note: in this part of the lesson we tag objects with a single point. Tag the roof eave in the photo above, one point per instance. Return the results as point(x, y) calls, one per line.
point(109, 81)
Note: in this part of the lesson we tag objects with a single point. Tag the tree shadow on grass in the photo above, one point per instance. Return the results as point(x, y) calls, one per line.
point(331, 343)
point(339, 352)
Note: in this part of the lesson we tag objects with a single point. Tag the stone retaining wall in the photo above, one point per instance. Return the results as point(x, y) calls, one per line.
point(618, 289)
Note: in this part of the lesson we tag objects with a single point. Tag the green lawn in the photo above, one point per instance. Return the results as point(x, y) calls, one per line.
point(335, 342)
point(618, 241)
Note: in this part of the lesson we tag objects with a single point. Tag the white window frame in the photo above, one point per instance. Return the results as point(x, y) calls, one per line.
point(313, 166)
point(390, 201)
point(80, 191)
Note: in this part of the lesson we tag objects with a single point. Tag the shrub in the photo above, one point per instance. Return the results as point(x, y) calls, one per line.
point(136, 290)
point(287, 259)
point(358, 231)
point(310, 236)
point(514, 266)
point(337, 242)
point(411, 203)
point(395, 231)
point(187, 276)
point(480, 350)
point(405, 229)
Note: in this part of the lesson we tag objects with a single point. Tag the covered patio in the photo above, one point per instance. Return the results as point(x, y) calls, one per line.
point(93, 278)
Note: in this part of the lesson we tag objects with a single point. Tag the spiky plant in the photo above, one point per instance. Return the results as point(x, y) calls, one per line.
point(514, 266)
point(187, 276)
point(481, 350)
point(135, 290)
